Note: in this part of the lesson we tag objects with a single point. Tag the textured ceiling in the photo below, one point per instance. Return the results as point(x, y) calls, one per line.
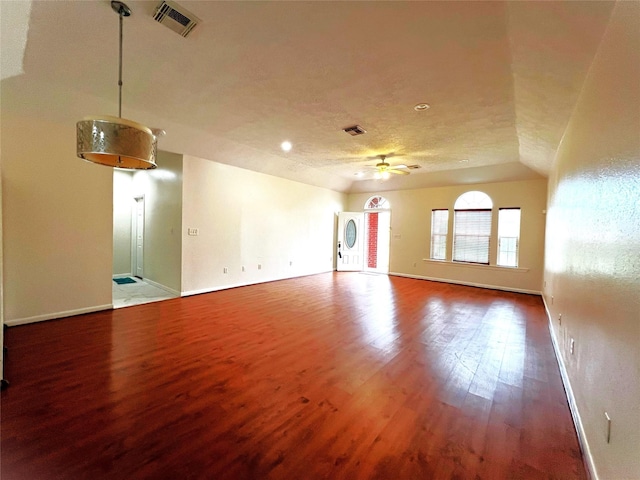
point(501, 78)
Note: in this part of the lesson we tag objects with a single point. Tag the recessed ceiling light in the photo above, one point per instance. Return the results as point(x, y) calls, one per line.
point(286, 146)
point(421, 107)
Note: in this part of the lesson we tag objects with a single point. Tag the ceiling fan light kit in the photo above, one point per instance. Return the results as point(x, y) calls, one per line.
point(115, 141)
point(384, 169)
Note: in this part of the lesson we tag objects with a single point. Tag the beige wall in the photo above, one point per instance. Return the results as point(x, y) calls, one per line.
point(247, 218)
point(1, 277)
point(411, 233)
point(162, 190)
point(122, 208)
point(592, 264)
point(57, 218)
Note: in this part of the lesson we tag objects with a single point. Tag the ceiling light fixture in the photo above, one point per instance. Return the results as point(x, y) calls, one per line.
point(286, 146)
point(116, 141)
point(421, 107)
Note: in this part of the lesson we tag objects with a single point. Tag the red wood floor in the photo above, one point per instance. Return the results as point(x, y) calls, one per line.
point(339, 376)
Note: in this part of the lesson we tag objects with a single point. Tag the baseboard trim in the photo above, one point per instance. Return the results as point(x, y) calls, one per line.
point(188, 293)
point(53, 316)
point(121, 275)
point(587, 458)
point(162, 287)
point(468, 284)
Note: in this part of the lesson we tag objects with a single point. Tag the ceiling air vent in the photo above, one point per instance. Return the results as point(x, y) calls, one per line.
point(177, 18)
point(355, 130)
point(413, 167)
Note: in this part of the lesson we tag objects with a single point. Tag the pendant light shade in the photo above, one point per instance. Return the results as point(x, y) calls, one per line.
point(115, 141)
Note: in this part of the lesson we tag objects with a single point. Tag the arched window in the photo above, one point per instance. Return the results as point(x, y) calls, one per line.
point(472, 228)
point(377, 203)
point(473, 200)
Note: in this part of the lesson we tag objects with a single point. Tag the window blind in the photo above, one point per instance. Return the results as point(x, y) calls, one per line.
point(471, 236)
point(439, 230)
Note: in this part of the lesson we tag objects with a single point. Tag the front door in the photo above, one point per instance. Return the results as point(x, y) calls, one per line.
point(350, 248)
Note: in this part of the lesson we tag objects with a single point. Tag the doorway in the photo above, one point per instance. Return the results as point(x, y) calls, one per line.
point(377, 234)
point(137, 237)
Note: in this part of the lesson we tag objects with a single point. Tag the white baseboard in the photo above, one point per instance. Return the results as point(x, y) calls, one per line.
point(573, 407)
point(53, 316)
point(162, 287)
point(246, 284)
point(468, 284)
point(122, 275)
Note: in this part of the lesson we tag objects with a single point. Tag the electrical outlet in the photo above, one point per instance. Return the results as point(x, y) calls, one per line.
point(194, 232)
point(290, 263)
point(573, 346)
point(259, 266)
point(608, 426)
point(560, 319)
point(243, 268)
point(225, 270)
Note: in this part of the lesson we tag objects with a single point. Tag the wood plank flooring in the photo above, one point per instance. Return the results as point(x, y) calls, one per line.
point(339, 375)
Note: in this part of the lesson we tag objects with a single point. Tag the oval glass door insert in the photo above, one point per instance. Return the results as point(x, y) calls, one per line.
point(350, 233)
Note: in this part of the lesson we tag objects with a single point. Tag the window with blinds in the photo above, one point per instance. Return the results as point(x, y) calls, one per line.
point(472, 236)
point(508, 236)
point(439, 231)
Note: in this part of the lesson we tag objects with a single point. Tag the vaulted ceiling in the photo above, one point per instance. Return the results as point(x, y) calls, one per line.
point(501, 79)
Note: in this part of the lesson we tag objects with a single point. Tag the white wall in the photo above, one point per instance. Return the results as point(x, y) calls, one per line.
point(162, 190)
point(592, 263)
point(57, 214)
point(247, 218)
point(411, 234)
point(122, 207)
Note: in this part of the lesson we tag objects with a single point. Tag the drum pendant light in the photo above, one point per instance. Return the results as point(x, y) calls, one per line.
point(115, 141)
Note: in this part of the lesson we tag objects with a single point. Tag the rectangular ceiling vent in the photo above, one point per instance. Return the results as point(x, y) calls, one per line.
point(413, 167)
point(177, 18)
point(355, 130)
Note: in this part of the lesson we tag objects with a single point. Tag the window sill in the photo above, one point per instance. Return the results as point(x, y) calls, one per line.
point(476, 265)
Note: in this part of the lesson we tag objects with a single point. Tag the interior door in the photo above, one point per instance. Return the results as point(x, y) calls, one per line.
point(350, 248)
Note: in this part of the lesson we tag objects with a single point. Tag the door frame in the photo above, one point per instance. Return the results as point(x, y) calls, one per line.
point(384, 234)
point(134, 234)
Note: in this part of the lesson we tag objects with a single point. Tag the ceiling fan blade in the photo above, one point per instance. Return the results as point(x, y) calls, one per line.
point(399, 172)
point(399, 166)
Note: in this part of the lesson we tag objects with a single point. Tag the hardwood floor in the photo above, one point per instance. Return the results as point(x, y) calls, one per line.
point(340, 376)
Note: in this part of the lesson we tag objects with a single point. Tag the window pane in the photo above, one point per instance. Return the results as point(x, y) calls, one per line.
point(439, 230)
point(472, 231)
point(508, 236)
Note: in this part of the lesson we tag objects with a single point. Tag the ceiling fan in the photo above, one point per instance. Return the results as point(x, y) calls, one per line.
point(384, 169)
